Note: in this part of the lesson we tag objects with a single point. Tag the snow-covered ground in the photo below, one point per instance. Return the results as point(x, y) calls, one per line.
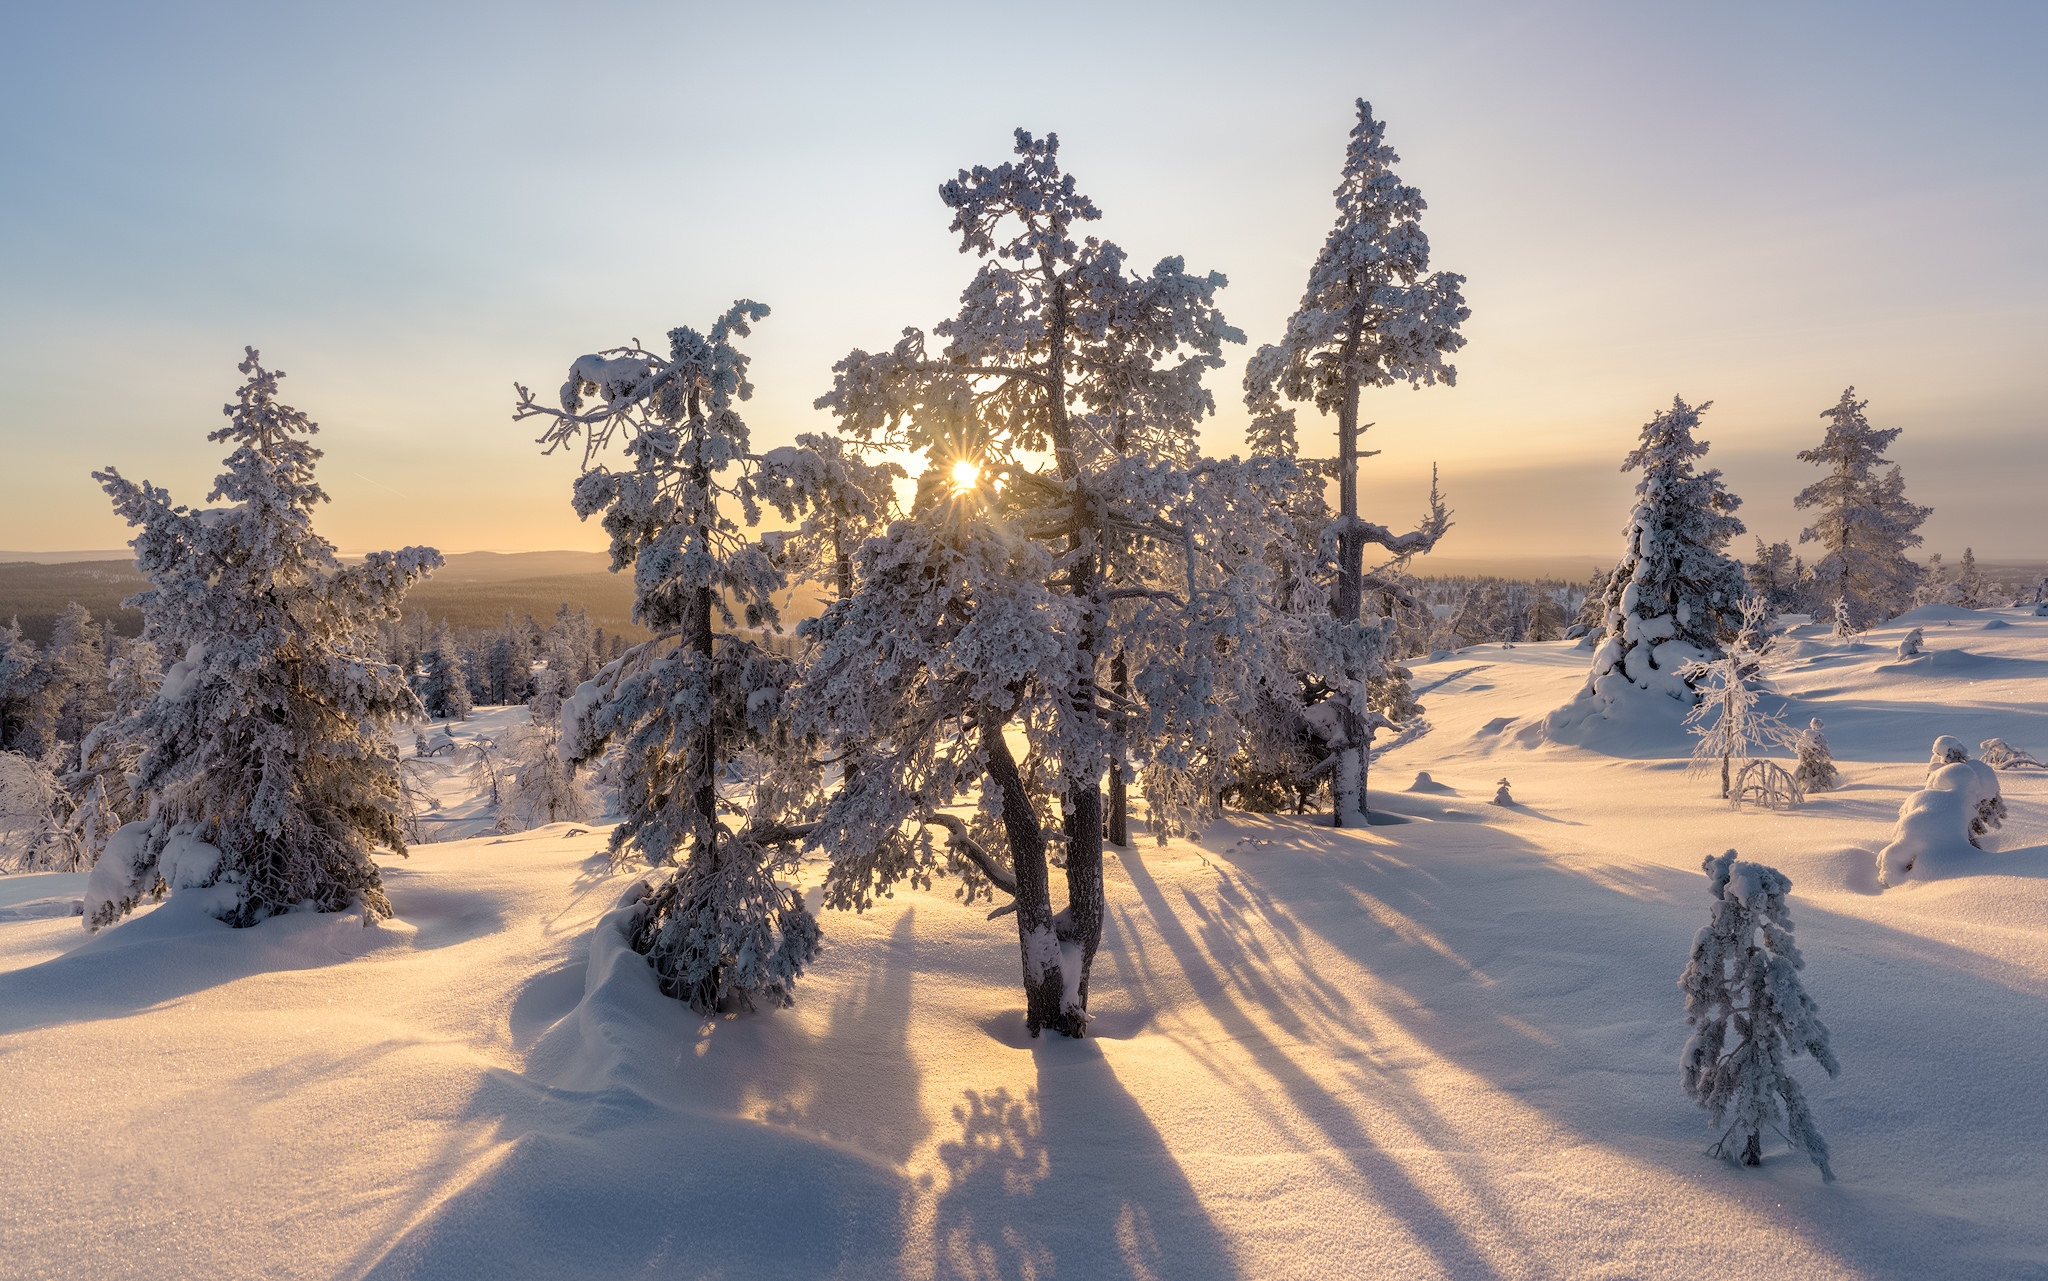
point(1445, 1046)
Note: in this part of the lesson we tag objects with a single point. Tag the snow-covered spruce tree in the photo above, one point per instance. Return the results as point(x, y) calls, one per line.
point(1864, 524)
point(1749, 1014)
point(1816, 772)
point(993, 609)
point(79, 661)
point(1725, 720)
point(1674, 595)
point(721, 932)
point(444, 686)
point(1973, 589)
point(1373, 315)
point(264, 761)
point(99, 786)
point(28, 703)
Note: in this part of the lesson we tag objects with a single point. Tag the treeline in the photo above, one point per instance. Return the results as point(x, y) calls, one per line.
point(454, 669)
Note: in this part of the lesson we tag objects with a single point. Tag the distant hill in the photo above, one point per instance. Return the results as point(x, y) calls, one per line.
point(474, 589)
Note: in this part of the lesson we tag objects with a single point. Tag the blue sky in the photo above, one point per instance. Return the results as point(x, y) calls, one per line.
point(408, 207)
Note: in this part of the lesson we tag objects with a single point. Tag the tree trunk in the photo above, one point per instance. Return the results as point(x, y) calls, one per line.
point(1347, 788)
point(1037, 933)
point(1119, 792)
point(1753, 1150)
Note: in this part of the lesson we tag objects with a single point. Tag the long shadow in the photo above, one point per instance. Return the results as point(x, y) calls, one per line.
point(1598, 986)
point(767, 1149)
point(1392, 1187)
point(176, 951)
point(1070, 1180)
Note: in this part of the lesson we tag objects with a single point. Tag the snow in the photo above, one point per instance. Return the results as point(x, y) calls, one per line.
point(1444, 1047)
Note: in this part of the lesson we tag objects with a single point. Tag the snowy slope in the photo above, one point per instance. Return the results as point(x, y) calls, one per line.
point(1446, 1046)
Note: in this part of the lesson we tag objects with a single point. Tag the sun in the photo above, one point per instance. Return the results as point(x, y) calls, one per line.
point(966, 476)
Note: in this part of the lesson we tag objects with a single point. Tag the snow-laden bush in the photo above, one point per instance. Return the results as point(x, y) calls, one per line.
point(1749, 1014)
point(36, 833)
point(1726, 719)
point(268, 742)
point(1940, 824)
point(1910, 643)
point(544, 788)
point(1999, 754)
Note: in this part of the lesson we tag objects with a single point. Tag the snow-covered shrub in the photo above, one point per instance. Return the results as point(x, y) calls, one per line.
point(1816, 771)
point(1749, 1014)
point(1500, 794)
point(1675, 595)
point(544, 788)
point(1865, 523)
point(1940, 824)
point(36, 832)
point(1768, 784)
point(1910, 643)
point(268, 741)
point(1999, 754)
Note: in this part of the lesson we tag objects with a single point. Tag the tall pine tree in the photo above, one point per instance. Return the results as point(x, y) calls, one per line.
point(1373, 315)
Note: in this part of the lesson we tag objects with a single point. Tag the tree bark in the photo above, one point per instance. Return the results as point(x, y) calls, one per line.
point(1347, 788)
point(1037, 934)
point(1119, 791)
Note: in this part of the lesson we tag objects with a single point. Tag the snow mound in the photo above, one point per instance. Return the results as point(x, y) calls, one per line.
point(1935, 614)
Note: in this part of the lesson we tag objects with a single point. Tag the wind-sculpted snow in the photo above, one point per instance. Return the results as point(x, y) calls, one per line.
point(1446, 1047)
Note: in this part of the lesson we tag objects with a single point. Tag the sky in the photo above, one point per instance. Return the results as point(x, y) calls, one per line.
point(409, 207)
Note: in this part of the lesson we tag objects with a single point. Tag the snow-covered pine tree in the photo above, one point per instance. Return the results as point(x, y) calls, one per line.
point(1749, 1014)
point(1725, 719)
point(856, 499)
point(79, 663)
point(1674, 595)
point(1373, 315)
point(444, 686)
point(1864, 524)
point(721, 932)
point(992, 609)
point(1816, 772)
point(28, 702)
point(266, 746)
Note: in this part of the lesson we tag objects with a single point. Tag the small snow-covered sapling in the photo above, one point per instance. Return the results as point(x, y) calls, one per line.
point(1749, 1014)
point(1501, 797)
point(1912, 642)
point(1816, 771)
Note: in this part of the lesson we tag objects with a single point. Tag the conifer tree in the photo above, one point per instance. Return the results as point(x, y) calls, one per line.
point(1816, 772)
point(1674, 595)
point(995, 606)
point(28, 703)
point(1373, 315)
point(1864, 523)
point(1973, 590)
point(79, 667)
point(266, 744)
point(721, 931)
point(1749, 1014)
point(444, 686)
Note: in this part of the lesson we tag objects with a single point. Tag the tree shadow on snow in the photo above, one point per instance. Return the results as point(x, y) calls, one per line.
point(736, 1147)
point(1581, 1018)
point(1070, 1180)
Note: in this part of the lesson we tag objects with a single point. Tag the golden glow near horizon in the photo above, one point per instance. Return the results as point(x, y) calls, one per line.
point(966, 475)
